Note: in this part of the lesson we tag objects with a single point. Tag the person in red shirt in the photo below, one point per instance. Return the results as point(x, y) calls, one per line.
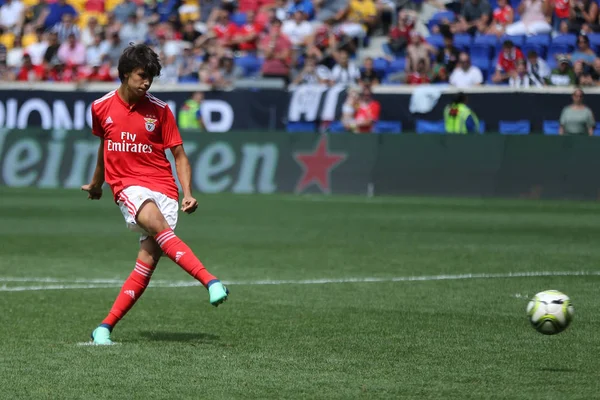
point(503, 15)
point(224, 29)
point(420, 75)
point(399, 35)
point(367, 113)
point(277, 51)
point(136, 129)
point(246, 36)
point(507, 62)
point(29, 72)
point(96, 73)
point(561, 13)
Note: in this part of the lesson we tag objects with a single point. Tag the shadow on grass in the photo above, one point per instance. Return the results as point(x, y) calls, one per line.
point(179, 336)
point(548, 369)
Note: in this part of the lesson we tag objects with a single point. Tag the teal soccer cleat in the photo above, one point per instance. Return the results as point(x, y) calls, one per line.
point(217, 292)
point(101, 336)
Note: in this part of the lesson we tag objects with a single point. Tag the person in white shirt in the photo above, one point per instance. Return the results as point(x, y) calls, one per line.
point(345, 72)
point(537, 69)
point(12, 14)
point(297, 29)
point(465, 75)
point(14, 57)
point(37, 50)
point(94, 53)
point(519, 78)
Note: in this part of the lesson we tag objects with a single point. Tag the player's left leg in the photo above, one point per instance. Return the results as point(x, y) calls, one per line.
point(132, 289)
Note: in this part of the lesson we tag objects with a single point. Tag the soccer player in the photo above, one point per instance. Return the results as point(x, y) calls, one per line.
point(135, 131)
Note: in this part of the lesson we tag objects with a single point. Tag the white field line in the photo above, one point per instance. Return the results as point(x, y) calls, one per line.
point(64, 284)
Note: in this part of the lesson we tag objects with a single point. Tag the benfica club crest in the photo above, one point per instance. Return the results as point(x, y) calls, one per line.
point(150, 124)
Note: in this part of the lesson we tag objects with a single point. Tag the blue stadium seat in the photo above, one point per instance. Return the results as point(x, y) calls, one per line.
point(425, 127)
point(238, 18)
point(386, 49)
point(435, 40)
point(482, 63)
point(380, 64)
point(594, 39)
point(539, 49)
point(301, 126)
point(522, 127)
point(518, 41)
point(250, 64)
point(557, 48)
point(388, 127)
point(551, 127)
point(597, 129)
point(439, 16)
point(336, 127)
point(397, 65)
point(489, 40)
point(568, 39)
point(481, 126)
point(188, 79)
point(540, 40)
point(552, 62)
point(481, 51)
point(463, 41)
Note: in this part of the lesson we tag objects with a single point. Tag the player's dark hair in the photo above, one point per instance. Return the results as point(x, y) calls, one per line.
point(139, 56)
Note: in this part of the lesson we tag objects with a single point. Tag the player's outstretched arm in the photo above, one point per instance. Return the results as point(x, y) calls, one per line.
point(184, 172)
point(94, 188)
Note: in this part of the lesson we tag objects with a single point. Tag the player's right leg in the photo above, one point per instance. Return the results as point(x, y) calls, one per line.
point(132, 289)
point(152, 220)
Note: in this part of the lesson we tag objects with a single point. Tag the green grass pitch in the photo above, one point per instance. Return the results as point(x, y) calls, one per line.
point(303, 320)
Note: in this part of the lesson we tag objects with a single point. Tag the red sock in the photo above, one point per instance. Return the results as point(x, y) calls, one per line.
point(132, 290)
point(183, 256)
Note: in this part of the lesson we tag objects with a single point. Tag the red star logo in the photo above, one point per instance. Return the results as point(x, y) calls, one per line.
point(317, 166)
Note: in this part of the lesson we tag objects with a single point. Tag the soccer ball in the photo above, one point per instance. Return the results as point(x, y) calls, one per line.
point(550, 312)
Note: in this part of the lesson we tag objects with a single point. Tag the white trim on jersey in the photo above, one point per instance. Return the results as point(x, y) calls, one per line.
point(156, 101)
point(105, 97)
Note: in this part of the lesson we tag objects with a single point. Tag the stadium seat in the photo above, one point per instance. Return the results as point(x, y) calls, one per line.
point(551, 127)
point(380, 64)
point(481, 51)
point(397, 65)
point(388, 127)
point(336, 127)
point(482, 63)
point(597, 129)
point(540, 40)
point(557, 48)
point(301, 126)
point(522, 127)
point(250, 64)
point(427, 127)
point(463, 41)
point(518, 41)
point(489, 40)
point(539, 49)
point(435, 40)
point(439, 17)
point(568, 39)
point(238, 18)
point(594, 39)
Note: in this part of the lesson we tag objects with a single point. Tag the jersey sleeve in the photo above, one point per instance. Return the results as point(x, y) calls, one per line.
point(170, 131)
point(97, 129)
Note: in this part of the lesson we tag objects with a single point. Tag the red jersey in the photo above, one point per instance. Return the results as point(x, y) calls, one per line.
point(248, 29)
point(135, 141)
point(503, 15)
point(32, 73)
point(507, 61)
point(561, 8)
point(225, 32)
point(416, 79)
point(368, 111)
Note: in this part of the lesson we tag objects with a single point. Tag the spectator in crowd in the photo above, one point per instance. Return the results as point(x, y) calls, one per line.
point(124, 10)
point(114, 48)
point(65, 28)
point(537, 69)
point(503, 15)
point(577, 118)
point(59, 72)
point(563, 75)
point(189, 66)
point(349, 109)
point(34, 14)
point(534, 15)
point(12, 16)
point(72, 52)
point(583, 52)
point(38, 48)
point(91, 29)
point(418, 49)
point(170, 70)
point(29, 72)
point(247, 36)
point(360, 18)
point(304, 6)
point(224, 29)
point(474, 17)
point(190, 114)
point(96, 72)
point(52, 48)
point(399, 35)
point(583, 74)
point(229, 71)
point(6, 73)
point(459, 118)
point(312, 73)
point(345, 72)
point(298, 29)
point(134, 30)
point(95, 52)
point(277, 51)
point(465, 75)
point(596, 71)
point(14, 56)
point(448, 56)
point(210, 74)
point(367, 112)
point(507, 62)
point(54, 12)
point(583, 16)
point(520, 78)
point(368, 75)
point(420, 75)
point(561, 15)
point(190, 34)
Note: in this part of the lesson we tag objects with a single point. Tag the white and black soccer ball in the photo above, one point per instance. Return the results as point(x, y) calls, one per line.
point(550, 312)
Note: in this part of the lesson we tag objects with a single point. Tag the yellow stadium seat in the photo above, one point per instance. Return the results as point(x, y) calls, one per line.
point(28, 39)
point(86, 15)
point(30, 3)
point(111, 4)
point(78, 5)
point(8, 40)
point(189, 16)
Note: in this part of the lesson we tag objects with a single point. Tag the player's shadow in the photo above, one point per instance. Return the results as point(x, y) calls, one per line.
point(160, 336)
point(549, 369)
